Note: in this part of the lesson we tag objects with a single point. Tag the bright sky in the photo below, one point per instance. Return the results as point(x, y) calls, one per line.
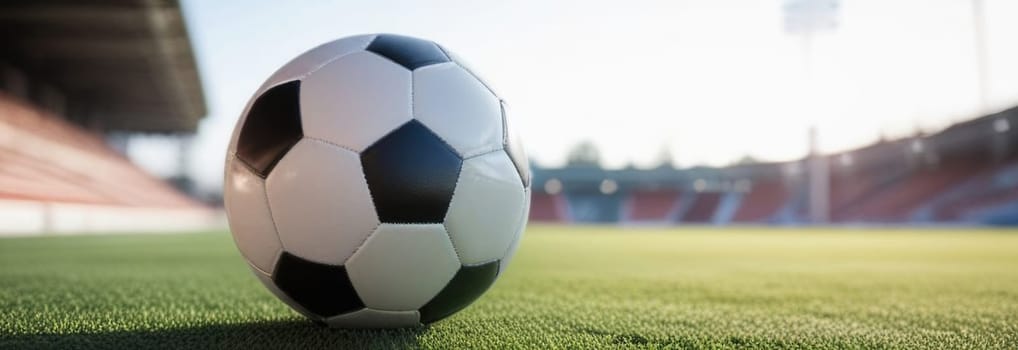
point(712, 80)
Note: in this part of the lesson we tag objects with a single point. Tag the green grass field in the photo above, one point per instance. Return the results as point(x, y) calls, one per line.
point(567, 288)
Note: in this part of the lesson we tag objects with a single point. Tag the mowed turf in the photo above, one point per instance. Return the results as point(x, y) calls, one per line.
point(568, 288)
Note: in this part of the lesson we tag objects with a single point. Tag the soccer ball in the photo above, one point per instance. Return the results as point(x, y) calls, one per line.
point(374, 181)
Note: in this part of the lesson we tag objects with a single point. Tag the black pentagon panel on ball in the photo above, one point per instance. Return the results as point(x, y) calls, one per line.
point(466, 286)
point(407, 51)
point(272, 127)
point(411, 175)
point(324, 290)
point(514, 151)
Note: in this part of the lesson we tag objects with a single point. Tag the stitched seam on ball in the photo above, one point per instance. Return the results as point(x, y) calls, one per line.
point(413, 115)
point(448, 55)
point(413, 103)
point(440, 138)
point(363, 242)
point(519, 226)
point(476, 77)
point(250, 168)
point(254, 266)
point(484, 153)
point(268, 205)
point(397, 63)
point(378, 221)
point(444, 52)
point(323, 64)
point(445, 221)
point(482, 262)
point(462, 155)
point(330, 143)
point(448, 235)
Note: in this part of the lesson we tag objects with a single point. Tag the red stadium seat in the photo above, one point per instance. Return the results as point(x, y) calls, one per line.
point(762, 202)
point(50, 160)
point(704, 206)
point(896, 200)
point(995, 187)
point(547, 208)
point(656, 205)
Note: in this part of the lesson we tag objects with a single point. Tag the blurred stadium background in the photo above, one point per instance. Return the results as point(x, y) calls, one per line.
point(81, 81)
point(966, 174)
point(78, 80)
point(115, 114)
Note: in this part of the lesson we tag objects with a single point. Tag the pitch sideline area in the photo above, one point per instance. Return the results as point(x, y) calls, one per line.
point(569, 287)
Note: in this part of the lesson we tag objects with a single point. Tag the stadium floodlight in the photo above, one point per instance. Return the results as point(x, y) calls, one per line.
point(1001, 125)
point(608, 186)
point(553, 186)
point(917, 146)
point(700, 185)
point(375, 181)
point(846, 160)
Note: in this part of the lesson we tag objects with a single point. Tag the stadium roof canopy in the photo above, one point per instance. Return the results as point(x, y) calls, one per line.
point(120, 64)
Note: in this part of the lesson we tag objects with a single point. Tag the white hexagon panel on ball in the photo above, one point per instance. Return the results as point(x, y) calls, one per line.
point(459, 108)
point(484, 214)
point(402, 266)
point(320, 202)
point(370, 98)
point(253, 230)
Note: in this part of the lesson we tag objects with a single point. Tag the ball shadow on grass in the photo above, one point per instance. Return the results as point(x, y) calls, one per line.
point(257, 335)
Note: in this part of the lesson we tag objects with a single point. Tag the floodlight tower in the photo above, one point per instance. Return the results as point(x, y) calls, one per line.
point(1002, 128)
point(805, 18)
point(982, 73)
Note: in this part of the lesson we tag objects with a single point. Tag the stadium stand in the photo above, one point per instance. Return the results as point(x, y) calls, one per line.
point(998, 186)
point(847, 191)
point(594, 207)
point(652, 206)
point(896, 200)
point(56, 161)
point(727, 206)
point(967, 173)
point(547, 208)
point(703, 208)
point(762, 202)
point(127, 68)
point(59, 178)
